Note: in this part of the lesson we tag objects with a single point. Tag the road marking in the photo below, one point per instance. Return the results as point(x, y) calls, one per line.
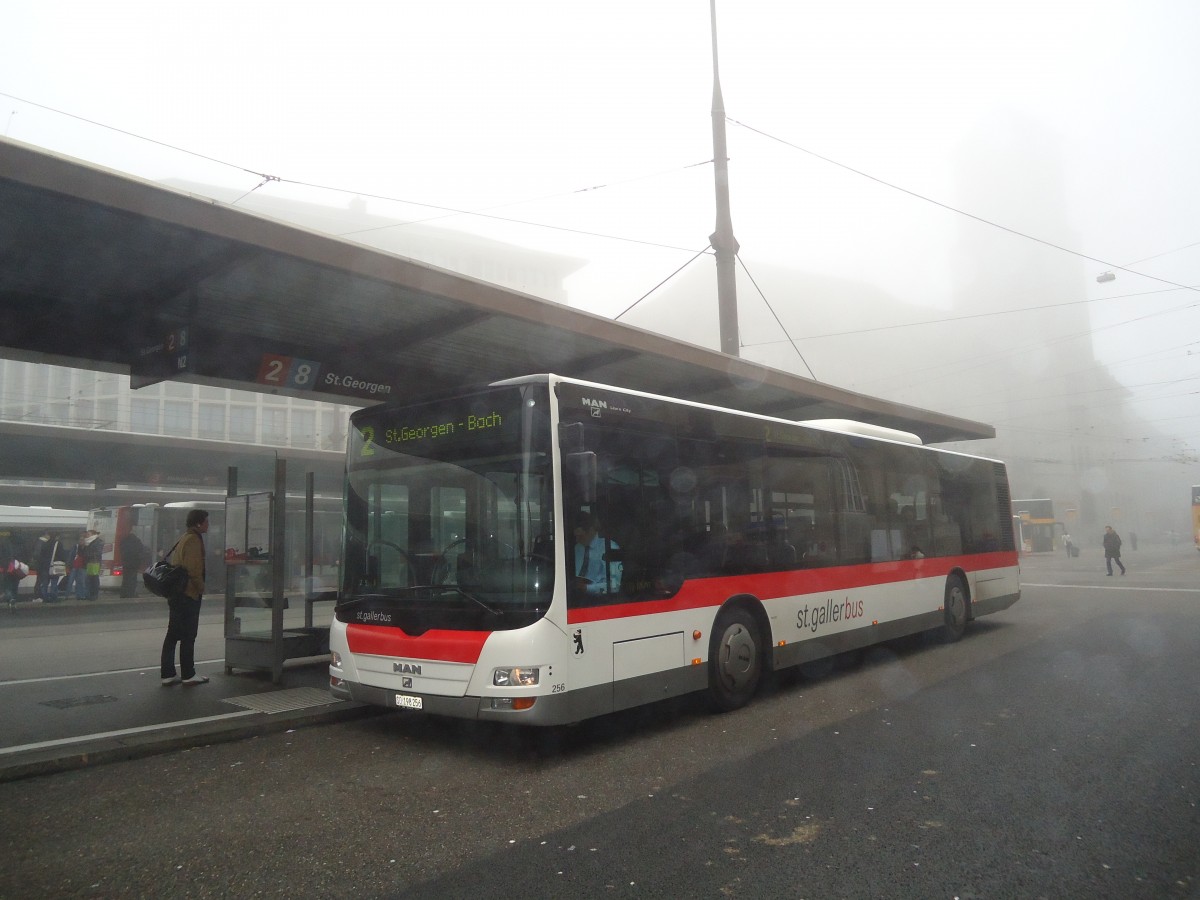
point(139, 669)
point(1115, 587)
point(142, 729)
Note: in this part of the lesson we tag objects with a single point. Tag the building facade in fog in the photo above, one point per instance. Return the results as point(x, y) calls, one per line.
point(41, 394)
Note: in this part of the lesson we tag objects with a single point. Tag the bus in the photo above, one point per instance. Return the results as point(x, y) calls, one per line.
point(729, 544)
point(21, 526)
point(158, 527)
point(1041, 532)
point(1196, 515)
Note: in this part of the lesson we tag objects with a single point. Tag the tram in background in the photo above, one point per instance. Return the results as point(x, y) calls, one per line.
point(546, 550)
point(23, 525)
point(158, 527)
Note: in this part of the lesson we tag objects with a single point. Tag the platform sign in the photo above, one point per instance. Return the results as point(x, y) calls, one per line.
point(169, 358)
point(277, 370)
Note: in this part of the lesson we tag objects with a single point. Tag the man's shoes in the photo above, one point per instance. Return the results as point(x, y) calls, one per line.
point(174, 679)
point(196, 679)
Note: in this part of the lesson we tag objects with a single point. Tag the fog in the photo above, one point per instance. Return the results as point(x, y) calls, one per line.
point(924, 194)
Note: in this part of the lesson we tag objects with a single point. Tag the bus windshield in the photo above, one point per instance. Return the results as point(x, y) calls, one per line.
point(448, 513)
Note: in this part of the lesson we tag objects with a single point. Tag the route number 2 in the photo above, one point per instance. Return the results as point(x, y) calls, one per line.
point(288, 372)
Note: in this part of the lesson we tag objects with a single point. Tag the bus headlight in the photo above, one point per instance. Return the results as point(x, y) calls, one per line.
point(335, 659)
point(516, 676)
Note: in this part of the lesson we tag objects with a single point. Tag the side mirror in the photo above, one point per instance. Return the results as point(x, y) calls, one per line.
point(570, 437)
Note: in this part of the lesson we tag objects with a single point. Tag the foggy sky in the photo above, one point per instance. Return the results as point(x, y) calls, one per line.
point(584, 130)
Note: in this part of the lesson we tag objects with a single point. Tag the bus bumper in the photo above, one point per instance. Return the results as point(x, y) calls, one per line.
point(546, 710)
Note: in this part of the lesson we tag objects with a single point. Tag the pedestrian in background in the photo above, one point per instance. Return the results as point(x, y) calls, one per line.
point(53, 562)
point(12, 575)
point(133, 560)
point(42, 551)
point(1112, 549)
point(185, 606)
point(93, 550)
point(77, 580)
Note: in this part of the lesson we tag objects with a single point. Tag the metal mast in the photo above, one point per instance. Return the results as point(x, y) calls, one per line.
point(722, 240)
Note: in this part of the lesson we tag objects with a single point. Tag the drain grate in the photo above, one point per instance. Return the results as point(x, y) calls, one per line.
point(285, 701)
point(71, 702)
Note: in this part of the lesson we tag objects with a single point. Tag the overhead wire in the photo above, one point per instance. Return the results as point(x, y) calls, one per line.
point(266, 178)
point(967, 317)
point(525, 201)
point(956, 210)
point(778, 321)
point(699, 253)
point(998, 355)
point(482, 215)
point(1164, 253)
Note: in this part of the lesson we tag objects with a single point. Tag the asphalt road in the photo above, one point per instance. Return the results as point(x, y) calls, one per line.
point(78, 638)
point(1050, 753)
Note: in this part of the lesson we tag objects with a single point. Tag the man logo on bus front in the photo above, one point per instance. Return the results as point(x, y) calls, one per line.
point(578, 641)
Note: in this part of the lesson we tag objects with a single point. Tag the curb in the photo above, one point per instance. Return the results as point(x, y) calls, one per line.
point(49, 761)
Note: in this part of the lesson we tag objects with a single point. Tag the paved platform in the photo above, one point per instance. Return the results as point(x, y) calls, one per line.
point(69, 721)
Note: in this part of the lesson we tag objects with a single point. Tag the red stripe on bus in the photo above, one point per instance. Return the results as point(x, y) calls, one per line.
point(446, 646)
point(704, 592)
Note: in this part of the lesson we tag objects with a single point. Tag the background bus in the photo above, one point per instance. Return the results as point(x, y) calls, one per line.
point(1041, 532)
point(21, 526)
point(1196, 515)
point(731, 544)
point(159, 527)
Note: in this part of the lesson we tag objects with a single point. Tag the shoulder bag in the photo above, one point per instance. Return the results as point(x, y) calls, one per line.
point(165, 579)
point(58, 568)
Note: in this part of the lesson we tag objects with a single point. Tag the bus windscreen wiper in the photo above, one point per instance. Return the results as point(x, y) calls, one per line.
point(456, 589)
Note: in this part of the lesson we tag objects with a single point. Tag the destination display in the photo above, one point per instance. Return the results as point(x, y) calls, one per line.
point(466, 425)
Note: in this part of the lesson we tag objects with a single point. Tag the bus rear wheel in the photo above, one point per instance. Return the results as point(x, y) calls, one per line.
point(734, 660)
point(954, 610)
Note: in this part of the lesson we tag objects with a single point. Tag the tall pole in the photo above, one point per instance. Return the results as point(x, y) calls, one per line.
point(722, 240)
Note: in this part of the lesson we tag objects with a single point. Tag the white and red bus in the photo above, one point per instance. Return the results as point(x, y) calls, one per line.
point(730, 544)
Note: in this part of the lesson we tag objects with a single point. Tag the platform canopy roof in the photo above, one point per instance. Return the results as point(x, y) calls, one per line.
point(104, 271)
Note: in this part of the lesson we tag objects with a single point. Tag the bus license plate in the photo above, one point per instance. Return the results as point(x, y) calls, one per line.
point(404, 701)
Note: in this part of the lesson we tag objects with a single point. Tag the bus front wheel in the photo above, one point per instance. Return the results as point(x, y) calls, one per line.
point(734, 660)
point(954, 610)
